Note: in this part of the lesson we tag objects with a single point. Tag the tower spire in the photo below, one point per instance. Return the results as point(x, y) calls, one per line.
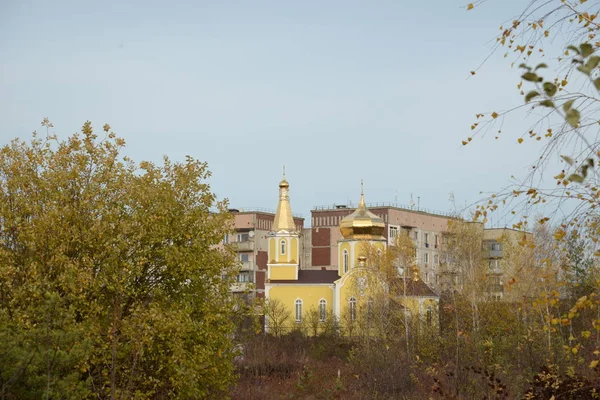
point(362, 195)
point(284, 221)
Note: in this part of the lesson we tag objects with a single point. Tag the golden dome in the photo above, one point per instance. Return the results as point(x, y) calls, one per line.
point(362, 224)
point(284, 184)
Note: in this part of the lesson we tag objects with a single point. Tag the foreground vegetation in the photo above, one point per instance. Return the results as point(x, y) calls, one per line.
point(514, 351)
point(111, 281)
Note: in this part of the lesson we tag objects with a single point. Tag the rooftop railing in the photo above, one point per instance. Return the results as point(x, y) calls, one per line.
point(334, 207)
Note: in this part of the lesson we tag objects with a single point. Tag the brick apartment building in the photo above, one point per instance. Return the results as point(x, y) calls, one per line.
point(250, 240)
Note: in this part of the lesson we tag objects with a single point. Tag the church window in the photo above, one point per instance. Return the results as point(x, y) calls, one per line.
point(429, 316)
point(345, 261)
point(298, 310)
point(352, 308)
point(283, 247)
point(322, 310)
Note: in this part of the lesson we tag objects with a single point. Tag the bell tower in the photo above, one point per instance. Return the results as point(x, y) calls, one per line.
point(284, 239)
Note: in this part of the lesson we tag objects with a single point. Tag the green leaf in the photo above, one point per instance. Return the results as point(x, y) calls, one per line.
point(525, 66)
point(531, 95)
point(584, 170)
point(597, 83)
point(549, 88)
point(567, 105)
point(547, 103)
point(567, 159)
point(573, 48)
point(575, 178)
point(530, 76)
point(586, 49)
point(592, 62)
point(573, 117)
point(541, 65)
point(584, 69)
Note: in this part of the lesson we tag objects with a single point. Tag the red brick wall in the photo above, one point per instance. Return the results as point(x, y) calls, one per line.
point(321, 256)
point(260, 280)
point(261, 260)
point(321, 237)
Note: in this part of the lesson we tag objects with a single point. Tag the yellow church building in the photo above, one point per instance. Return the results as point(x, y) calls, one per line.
point(337, 295)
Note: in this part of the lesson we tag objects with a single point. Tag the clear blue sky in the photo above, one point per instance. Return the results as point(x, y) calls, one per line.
point(337, 91)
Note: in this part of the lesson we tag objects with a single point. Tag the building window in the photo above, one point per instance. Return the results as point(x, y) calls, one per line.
point(427, 240)
point(244, 257)
point(298, 310)
point(369, 307)
point(416, 235)
point(495, 247)
point(426, 257)
point(322, 310)
point(345, 261)
point(283, 247)
point(494, 264)
point(352, 304)
point(226, 239)
point(243, 237)
point(393, 232)
point(427, 277)
point(429, 316)
point(435, 259)
point(435, 238)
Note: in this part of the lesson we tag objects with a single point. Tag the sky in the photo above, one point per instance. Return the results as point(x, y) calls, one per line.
point(336, 91)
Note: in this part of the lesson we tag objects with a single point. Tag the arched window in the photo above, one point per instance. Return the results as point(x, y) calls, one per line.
point(345, 261)
point(352, 302)
point(298, 310)
point(322, 310)
point(283, 247)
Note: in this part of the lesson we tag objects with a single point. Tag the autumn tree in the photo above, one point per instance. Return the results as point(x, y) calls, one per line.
point(111, 281)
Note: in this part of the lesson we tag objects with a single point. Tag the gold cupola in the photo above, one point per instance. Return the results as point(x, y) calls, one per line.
point(362, 223)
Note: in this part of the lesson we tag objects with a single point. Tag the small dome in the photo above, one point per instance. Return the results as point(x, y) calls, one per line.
point(284, 184)
point(362, 224)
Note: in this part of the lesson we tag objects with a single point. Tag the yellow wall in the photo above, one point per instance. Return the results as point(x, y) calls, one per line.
point(344, 246)
point(309, 294)
point(272, 249)
point(282, 272)
point(294, 250)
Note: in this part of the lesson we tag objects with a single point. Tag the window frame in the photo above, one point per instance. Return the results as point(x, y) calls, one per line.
point(298, 310)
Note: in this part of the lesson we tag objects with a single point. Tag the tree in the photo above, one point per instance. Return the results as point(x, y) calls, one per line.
point(111, 281)
point(277, 316)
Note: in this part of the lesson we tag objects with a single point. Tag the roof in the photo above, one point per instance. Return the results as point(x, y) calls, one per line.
point(312, 276)
point(413, 288)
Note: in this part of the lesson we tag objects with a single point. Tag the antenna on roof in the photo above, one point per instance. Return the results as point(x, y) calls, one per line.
point(412, 203)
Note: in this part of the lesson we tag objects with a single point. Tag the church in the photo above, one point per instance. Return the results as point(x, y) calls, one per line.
point(339, 295)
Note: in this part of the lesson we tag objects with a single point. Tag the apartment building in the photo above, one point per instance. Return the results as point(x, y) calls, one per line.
point(250, 241)
point(494, 242)
point(425, 227)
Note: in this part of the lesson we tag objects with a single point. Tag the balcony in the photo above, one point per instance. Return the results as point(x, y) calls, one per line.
point(244, 246)
point(495, 254)
point(241, 286)
point(248, 266)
